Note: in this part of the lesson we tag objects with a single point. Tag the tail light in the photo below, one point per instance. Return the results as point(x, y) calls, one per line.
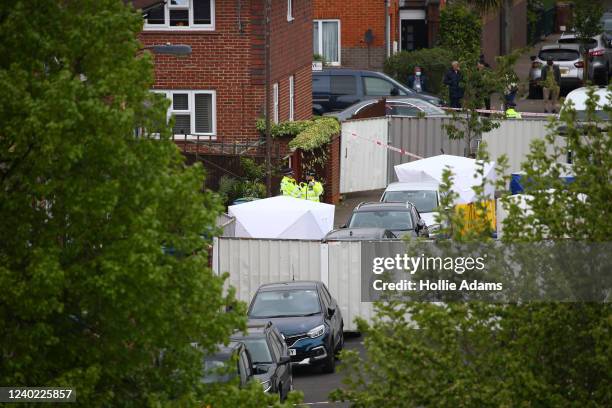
point(596, 53)
point(536, 64)
point(579, 64)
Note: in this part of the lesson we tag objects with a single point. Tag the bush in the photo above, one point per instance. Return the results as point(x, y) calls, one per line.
point(460, 32)
point(433, 61)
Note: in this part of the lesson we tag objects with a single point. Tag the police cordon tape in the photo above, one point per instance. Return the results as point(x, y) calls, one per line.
point(532, 114)
point(388, 146)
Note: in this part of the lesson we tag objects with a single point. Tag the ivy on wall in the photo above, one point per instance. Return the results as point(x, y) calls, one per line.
point(309, 134)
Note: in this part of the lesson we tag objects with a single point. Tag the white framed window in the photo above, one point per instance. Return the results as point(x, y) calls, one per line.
point(326, 40)
point(275, 93)
point(291, 97)
point(182, 15)
point(289, 10)
point(194, 112)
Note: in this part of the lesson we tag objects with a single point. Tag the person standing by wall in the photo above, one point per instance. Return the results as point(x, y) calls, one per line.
point(452, 79)
point(418, 80)
point(550, 85)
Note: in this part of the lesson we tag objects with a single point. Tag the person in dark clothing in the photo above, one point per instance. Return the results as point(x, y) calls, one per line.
point(418, 80)
point(452, 79)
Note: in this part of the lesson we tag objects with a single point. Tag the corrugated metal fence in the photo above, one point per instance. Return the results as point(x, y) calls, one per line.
point(363, 158)
point(253, 262)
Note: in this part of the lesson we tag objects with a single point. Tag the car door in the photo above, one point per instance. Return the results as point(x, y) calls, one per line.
point(343, 90)
point(423, 231)
point(321, 94)
point(275, 350)
point(335, 321)
point(283, 371)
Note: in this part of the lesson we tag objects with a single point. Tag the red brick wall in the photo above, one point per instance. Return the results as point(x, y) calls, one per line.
point(519, 24)
point(332, 172)
point(232, 63)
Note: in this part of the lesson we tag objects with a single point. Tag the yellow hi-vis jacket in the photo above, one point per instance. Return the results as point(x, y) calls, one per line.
point(312, 191)
point(511, 113)
point(289, 187)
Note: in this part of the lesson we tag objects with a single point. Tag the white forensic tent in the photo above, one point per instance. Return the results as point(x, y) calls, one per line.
point(283, 217)
point(430, 170)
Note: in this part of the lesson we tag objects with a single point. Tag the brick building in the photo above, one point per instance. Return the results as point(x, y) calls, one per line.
point(363, 33)
point(218, 91)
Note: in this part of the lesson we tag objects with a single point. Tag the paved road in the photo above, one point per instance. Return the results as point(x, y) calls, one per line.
point(316, 386)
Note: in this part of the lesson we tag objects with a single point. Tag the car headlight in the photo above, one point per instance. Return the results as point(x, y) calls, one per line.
point(434, 228)
point(316, 332)
point(266, 385)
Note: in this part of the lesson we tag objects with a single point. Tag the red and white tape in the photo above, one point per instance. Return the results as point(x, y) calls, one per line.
point(526, 114)
point(387, 146)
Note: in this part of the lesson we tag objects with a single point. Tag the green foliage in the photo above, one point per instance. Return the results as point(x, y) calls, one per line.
point(250, 185)
point(89, 298)
point(460, 31)
point(318, 134)
point(505, 355)
point(289, 128)
point(434, 61)
point(587, 18)
point(309, 134)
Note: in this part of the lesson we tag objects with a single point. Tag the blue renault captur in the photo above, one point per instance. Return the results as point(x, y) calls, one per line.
point(308, 318)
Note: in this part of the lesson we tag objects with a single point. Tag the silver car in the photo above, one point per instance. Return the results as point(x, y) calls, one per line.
point(568, 57)
point(394, 106)
point(600, 56)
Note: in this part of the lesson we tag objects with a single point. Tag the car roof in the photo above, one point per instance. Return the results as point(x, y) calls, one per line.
point(575, 47)
point(580, 95)
point(224, 352)
point(289, 285)
point(346, 71)
point(358, 233)
point(376, 206)
point(402, 186)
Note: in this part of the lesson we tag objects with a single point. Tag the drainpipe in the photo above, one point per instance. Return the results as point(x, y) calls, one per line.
point(387, 29)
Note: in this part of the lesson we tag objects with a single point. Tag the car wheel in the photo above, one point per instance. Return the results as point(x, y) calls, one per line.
point(340, 345)
point(330, 362)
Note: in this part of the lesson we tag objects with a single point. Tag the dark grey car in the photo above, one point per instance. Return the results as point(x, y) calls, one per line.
point(335, 89)
point(400, 218)
point(270, 357)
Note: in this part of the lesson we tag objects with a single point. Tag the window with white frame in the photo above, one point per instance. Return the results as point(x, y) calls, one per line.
point(182, 14)
point(326, 40)
point(275, 92)
point(291, 92)
point(289, 10)
point(194, 112)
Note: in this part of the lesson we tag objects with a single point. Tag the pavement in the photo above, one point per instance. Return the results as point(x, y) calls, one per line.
point(350, 201)
point(316, 386)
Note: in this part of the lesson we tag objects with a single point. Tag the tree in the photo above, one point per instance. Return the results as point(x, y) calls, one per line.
point(90, 300)
point(586, 22)
point(460, 31)
point(528, 354)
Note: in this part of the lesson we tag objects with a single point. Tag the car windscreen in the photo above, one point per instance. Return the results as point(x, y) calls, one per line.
point(285, 303)
point(559, 55)
point(424, 200)
point(216, 371)
point(258, 347)
point(391, 220)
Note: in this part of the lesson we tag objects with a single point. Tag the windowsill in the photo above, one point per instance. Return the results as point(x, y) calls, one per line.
point(179, 29)
point(201, 138)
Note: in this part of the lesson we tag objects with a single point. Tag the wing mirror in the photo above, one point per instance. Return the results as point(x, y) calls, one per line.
point(284, 360)
point(331, 311)
point(394, 91)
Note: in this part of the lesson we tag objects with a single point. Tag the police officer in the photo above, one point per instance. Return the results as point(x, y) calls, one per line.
point(288, 185)
point(312, 189)
point(511, 112)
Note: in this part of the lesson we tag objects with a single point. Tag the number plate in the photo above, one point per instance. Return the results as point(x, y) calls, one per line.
point(564, 71)
point(292, 352)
